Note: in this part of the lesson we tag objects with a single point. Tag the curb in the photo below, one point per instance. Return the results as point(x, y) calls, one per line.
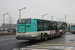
point(6, 33)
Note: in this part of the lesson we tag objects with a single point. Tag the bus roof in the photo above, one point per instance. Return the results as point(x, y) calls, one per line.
point(45, 20)
point(50, 20)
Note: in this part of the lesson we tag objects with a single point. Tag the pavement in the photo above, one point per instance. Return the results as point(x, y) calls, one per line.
point(46, 47)
point(66, 42)
point(10, 42)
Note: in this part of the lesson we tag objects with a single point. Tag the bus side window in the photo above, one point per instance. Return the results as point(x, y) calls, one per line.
point(39, 25)
point(46, 24)
point(52, 26)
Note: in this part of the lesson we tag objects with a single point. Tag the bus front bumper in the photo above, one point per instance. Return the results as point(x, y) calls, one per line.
point(28, 38)
point(72, 30)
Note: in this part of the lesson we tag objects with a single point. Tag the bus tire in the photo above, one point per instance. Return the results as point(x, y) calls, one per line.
point(41, 36)
point(73, 32)
point(60, 34)
point(45, 37)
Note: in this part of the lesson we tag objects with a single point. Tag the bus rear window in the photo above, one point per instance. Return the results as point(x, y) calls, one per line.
point(24, 21)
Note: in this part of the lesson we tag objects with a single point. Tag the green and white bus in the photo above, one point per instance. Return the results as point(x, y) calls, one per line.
point(72, 29)
point(38, 29)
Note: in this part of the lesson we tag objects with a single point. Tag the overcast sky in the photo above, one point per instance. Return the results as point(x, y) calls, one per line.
point(36, 8)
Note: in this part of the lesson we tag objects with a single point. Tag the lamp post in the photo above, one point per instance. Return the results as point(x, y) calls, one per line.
point(52, 17)
point(10, 20)
point(59, 19)
point(62, 19)
point(4, 20)
point(20, 12)
point(43, 16)
point(65, 17)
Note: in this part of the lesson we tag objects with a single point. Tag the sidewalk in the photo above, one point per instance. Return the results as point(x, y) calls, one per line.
point(6, 33)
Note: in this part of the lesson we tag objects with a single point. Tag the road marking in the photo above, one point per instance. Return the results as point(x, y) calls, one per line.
point(7, 39)
point(52, 44)
point(48, 46)
point(29, 49)
point(44, 48)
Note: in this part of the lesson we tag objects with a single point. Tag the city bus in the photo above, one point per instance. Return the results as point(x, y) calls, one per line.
point(39, 29)
point(72, 28)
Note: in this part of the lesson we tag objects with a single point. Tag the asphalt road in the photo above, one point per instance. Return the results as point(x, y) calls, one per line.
point(10, 42)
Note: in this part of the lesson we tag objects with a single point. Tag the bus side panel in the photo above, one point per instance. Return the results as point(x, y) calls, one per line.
point(17, 26)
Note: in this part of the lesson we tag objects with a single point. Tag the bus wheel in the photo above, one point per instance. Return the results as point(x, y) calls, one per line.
point(45, 37)
point(60, 34)
point(73, 32)
point(41, 36)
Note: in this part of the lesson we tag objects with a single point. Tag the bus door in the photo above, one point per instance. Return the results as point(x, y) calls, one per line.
point(52, 27)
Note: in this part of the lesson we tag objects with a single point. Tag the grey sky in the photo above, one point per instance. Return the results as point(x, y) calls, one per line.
point(36, 8)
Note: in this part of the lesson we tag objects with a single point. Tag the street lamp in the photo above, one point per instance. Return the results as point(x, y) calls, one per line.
point(62, 19)
point(52, 17)
point(10, 20)
point(20, 12)
point(59, 19)
point(43, 15)
point(4, 20)
point(65, 17)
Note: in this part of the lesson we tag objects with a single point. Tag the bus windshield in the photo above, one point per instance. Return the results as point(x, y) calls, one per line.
point(24, 21)
point(72, 25)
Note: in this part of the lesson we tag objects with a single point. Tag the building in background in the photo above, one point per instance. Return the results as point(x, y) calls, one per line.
point(10, 28)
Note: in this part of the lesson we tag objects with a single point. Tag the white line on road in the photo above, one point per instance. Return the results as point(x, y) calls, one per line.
point(7, 39)
point(47, 48)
